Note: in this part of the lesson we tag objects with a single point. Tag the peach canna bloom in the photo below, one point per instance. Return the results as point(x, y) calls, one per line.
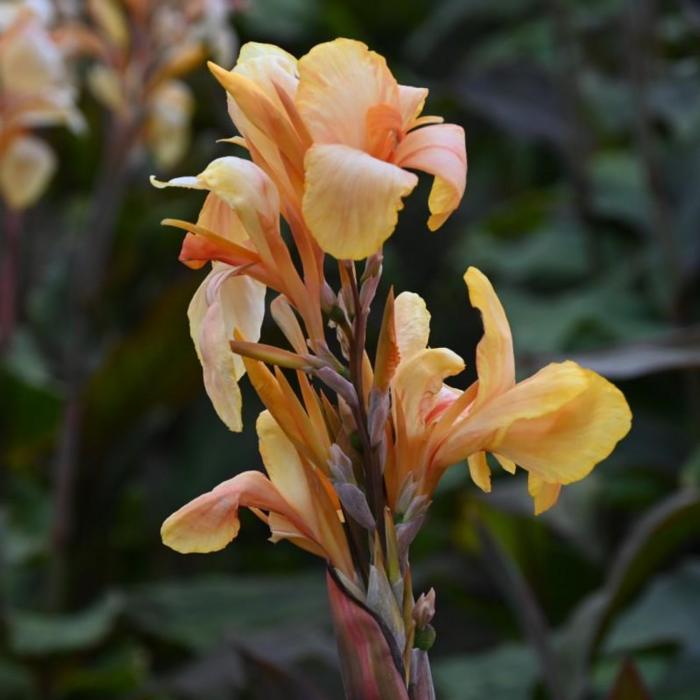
point(338, 135)
point(557, 424)
point(295, 499)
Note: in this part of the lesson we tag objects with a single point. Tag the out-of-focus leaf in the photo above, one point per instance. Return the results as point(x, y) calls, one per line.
point(668, 612)
point(629, 684)
point(39, 634)
point(15, 681)
point(619, 189)
point(665, 527)
point(676, 350)
point(505, 673)
point(521, 98)
point(201, 613)
point(282, 20)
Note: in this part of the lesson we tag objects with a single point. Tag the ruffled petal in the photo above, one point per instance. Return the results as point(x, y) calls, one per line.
point(495, 364)
point(351, 200)
point(338, 83)
point(224, 302)
point(210, 522)
point(412, 323)
point(438, 149)
point(563, 445)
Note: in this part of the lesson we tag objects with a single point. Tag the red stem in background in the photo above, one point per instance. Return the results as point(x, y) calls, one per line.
point(9, 277)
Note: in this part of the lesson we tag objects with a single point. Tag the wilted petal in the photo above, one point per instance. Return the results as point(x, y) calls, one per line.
point(494, 353)
point(210, 522)
point(438, 149)
point(338, 83)
point(222, 303)
point(563, 445)
point(26, 167)
point(352, 200)
point(412, 322)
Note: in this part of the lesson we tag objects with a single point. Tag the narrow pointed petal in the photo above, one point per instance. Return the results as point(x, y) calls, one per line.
point(412, 320)
point(494, 354)
point(339, 81)
point(479, 471)
point(564, 445)
point(437, 149)
point(507, 464)
point(543, 493)
point(210, 522)
point(352, 200)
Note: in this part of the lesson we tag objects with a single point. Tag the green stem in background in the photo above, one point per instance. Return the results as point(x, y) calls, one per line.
point(9, 275)
point(90, 255)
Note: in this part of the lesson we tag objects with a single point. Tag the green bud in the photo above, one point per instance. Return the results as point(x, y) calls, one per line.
point(424, 638)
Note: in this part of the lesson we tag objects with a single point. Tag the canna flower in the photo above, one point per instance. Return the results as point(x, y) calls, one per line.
point(296, 500)
point(35, 91)
point(557, 424)
point(338, 135)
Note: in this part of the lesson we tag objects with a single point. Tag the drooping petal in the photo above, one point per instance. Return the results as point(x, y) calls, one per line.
point(338, 83)
point(210, 522)
point(224, 302)
point(352, 200)
point(563, 445)
point(544, 494)
point(26, 167)
point(412, 321)
point(438, 149)
point(494, 354)
point(543, 394)
point(479, 471)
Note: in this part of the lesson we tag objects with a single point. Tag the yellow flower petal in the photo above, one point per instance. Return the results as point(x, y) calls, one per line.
point(563, 445)
point(412, 322)
point(26, 167)
point(210, 522)
point(338, 83)
point(224, 302)
point(494, 353)
point(544, 494)
point(438, 149)
point(352, 200)
point(479, 471)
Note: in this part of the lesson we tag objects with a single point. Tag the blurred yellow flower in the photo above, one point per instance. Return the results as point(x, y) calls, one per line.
point(35, 91)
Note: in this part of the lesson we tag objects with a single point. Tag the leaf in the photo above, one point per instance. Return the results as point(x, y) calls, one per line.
point(666, 527)
point(504, 673)
point(198, 614)
point(40, 634)
point(629, 684)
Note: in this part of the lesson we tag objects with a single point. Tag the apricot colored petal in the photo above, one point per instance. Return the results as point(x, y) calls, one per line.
point(438, 149)
point(218, 217)
point(479, 471)
point(412, 322)
point(210, 522)
point(541, 395)
point(564, 444)
point(338, 83)
point(224, 302)
point(418, 384)
point(544, 494)
point(351, 200)
point(268, 66)
point(495, 364)
point(411, 103)
point(284, 466)
point(26, 167)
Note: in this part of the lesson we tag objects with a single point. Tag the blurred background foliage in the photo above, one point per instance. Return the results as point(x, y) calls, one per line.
point(583, 205)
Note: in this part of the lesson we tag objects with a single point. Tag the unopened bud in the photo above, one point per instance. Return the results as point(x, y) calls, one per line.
point(341, 386)
point(373, 266)
point(377, 415)
point(340, 465)
point(355, 504)
point(424, 638)
point(424, 609)
point(328, 298)
point(406, 533)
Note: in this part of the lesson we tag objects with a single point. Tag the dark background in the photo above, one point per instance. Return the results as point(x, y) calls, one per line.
point(582, 205)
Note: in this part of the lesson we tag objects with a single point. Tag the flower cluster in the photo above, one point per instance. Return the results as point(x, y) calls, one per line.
point(354, 452)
